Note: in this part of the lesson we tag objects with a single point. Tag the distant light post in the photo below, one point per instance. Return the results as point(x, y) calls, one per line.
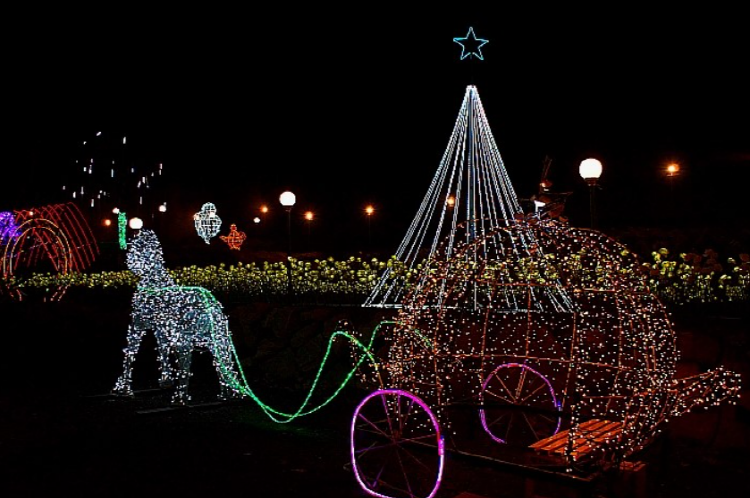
point(162, 209)
point(673, 170)
point(309, 216)
point(287, 200)
point(590, 170)
point(369, 210)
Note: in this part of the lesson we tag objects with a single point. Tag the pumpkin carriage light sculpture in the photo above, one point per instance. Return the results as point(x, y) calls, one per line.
point(549, 336)
point(517, 338)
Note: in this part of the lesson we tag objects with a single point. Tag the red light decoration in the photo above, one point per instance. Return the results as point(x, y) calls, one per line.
point(235, 238)
point(57, 233)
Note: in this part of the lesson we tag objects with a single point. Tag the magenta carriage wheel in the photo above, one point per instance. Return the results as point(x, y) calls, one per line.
point(397, 450)
point(518, 405)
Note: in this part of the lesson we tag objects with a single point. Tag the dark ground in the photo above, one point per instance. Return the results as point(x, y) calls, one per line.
point(61, 435)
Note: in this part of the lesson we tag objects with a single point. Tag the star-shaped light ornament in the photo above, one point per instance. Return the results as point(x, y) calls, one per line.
point(471, 46)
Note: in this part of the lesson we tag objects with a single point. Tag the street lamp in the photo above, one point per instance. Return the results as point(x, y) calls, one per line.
point(309, 216)
point(287, 200)
point(135, 223)
point(369, 210)
point(590, 170)
point(672, 170)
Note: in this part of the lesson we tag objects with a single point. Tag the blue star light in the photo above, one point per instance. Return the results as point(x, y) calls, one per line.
point(471, 45)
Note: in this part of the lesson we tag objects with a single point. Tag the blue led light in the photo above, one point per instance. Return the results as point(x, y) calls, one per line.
point(471, 45)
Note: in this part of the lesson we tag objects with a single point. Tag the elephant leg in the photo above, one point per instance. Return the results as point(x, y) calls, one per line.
point(124, 384)
point(182, 376)
point(166, 372)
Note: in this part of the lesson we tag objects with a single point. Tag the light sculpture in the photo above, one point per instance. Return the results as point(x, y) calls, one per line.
point(207, 222)
point(470, 194)
point(559, 349)
point(57, 233)
point(183, 320)
point(235, 238)
point(471, 46)
point(122, 223)
point(564, 332)
point(8, 227)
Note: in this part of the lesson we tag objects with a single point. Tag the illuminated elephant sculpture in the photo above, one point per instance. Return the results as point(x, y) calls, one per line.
point(183, 319)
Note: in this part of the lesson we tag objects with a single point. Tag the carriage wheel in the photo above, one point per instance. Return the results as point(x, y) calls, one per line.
point(518, 405)
point(396, 447)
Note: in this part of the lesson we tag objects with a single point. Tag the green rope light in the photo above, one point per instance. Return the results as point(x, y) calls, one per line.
point(122, 223)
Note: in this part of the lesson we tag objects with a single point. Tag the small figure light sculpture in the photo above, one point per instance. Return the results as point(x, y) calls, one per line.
point(207, 222)
point(235, 238)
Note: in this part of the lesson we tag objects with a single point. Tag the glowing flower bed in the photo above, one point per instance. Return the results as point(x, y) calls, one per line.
point(677, 279)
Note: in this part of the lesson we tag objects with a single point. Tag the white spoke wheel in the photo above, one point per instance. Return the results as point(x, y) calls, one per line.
point(518, 405)
point(396, 447)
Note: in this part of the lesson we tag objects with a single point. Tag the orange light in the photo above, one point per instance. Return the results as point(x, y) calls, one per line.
point(309, 215)
point(673, 169)
point(107, 222)
point(264, 209)
point(369, 210)
point(451, 201)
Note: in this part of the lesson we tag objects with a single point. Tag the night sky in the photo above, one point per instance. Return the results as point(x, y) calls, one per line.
point(350, 107)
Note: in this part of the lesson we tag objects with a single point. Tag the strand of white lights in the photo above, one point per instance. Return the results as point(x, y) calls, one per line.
point(472, 174)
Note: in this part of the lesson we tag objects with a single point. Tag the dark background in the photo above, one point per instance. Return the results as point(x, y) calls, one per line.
point(349, 107)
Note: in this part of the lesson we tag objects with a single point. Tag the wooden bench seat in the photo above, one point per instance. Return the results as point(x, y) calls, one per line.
point(591, 434)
